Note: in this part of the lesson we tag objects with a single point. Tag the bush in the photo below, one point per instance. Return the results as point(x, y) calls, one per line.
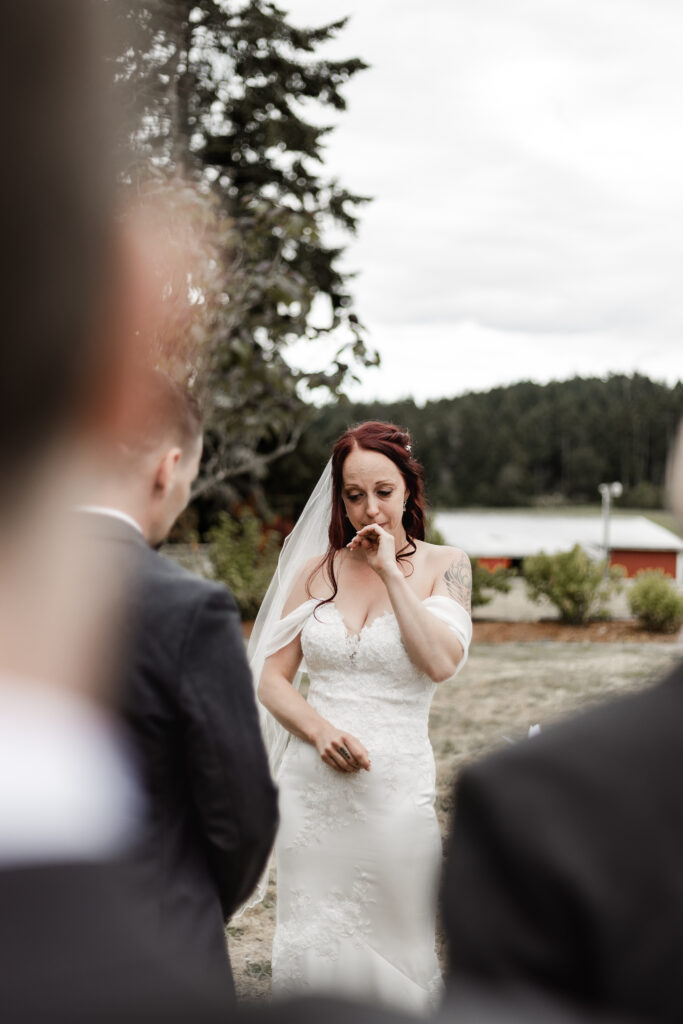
point(573, 582)
point(644, 495)
point(244, 557)
point(653, 598)
point(488, 579)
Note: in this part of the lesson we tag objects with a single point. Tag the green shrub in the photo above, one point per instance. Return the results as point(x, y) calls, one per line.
point(244, 557)
point(488, 579)
point(653, 598)
point(573, 582)
point(644, 495)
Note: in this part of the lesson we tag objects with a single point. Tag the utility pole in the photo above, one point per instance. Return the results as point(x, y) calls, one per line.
point(607, 492)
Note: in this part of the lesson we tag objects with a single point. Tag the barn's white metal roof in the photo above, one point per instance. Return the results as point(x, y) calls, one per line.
point(490, 534)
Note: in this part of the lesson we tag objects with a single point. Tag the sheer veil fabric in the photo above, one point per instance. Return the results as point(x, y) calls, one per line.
point(309, 539)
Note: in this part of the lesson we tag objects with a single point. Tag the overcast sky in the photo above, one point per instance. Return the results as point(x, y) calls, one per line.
point(526, 163)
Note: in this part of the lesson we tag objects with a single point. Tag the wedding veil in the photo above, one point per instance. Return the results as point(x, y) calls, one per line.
point(308, 540)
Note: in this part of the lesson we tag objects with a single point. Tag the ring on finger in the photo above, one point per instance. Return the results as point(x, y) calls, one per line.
point(344, 753)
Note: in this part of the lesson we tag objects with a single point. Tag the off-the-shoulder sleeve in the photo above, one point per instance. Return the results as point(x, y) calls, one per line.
point(456, 618)
point(288, 627)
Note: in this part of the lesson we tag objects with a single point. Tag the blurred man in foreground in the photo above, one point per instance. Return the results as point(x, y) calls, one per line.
point(72, 946)
point(186, 693)
point(564, 873)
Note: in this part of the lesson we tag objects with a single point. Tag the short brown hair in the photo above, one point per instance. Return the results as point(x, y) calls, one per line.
point(163, 411)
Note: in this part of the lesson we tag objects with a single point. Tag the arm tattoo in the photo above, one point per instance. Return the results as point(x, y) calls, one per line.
point(458, 577)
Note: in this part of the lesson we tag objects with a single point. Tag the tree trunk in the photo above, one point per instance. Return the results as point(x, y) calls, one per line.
point(174, 15)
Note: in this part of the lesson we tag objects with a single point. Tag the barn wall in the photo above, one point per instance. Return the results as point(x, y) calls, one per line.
point(495, 563)
point(634, 561)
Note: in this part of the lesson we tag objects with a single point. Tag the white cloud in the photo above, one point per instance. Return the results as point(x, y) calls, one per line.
point(527, 164)
point(440, 359)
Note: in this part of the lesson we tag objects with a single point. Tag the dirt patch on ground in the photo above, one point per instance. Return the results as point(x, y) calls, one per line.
point(623, 632)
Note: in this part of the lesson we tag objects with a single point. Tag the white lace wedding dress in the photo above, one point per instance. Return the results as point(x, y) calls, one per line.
point(358, 855)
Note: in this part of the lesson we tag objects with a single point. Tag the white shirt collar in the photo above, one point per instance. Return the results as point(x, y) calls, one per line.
point(103, 510)
point(67, 791)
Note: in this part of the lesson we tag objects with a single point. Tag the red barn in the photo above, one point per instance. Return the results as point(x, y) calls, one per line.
point(499, 538)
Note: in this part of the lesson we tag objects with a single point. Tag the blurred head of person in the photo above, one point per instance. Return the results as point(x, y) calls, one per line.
point(153, 464)
point(79, 301)
point(62, 352)
point(63, 260)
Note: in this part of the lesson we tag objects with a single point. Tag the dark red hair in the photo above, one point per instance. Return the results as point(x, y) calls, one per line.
point(396, 444)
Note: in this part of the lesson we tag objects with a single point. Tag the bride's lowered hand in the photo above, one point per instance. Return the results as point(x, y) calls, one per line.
point(340, 750)
point(378, 546)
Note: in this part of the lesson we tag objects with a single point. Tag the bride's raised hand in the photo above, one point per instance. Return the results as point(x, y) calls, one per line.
point(341, 751)
point(377, 545)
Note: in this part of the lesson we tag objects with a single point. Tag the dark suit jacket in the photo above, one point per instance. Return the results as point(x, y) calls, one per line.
point(74, 949)
point(565, 867)
point(186, 695)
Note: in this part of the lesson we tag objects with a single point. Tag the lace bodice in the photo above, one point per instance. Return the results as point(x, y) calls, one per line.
point(366, 683)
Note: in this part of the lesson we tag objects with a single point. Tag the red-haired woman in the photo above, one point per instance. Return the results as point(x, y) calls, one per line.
point(380, 618)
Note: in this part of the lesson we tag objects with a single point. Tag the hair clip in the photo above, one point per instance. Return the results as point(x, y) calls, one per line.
point(409, 447)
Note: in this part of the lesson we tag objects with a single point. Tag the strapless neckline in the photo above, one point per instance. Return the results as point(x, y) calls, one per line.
point(389, 613)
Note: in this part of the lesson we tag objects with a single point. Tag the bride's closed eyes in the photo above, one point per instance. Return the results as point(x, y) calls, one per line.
point(382, 494)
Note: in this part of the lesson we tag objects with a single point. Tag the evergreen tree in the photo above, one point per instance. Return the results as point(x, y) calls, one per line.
point(230, 94)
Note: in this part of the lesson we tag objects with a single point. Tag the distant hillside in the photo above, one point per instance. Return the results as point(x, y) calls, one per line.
point(524, 444)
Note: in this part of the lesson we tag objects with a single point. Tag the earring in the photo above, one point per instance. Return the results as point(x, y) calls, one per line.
point(405, 503)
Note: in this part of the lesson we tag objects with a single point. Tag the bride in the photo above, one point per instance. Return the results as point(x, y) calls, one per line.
point(380, 618)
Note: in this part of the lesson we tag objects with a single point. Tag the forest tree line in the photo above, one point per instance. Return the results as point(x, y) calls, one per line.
point(524, 444)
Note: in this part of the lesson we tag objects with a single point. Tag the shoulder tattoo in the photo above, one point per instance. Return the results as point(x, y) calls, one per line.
point(458, 579)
